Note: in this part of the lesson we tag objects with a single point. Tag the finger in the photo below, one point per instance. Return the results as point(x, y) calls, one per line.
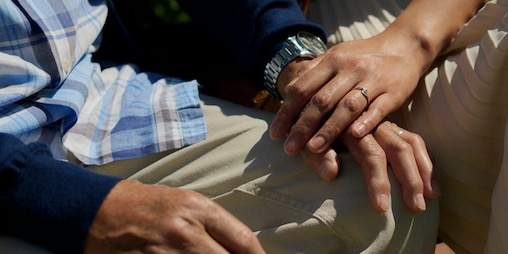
point(192, 238)
point(301, 131)
point(326, 164)
point(202, 226)
point(401, 157)
point(372, 159)
point(380, 107)
point(312, 117)
point(424, 163)
point(230, 232)
point(296, 95)
point(350, 107)
point(307, 122)
point(287, 114)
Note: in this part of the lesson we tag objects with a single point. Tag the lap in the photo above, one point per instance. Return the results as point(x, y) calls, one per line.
point(288, 206)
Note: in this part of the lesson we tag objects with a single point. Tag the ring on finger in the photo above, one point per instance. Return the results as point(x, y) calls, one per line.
point(399, 132)
point(365, 93)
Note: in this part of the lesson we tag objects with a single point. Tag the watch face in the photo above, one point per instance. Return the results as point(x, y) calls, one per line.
point(312, 42)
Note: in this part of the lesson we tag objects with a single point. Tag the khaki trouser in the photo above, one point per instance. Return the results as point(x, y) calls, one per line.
point(289, 207)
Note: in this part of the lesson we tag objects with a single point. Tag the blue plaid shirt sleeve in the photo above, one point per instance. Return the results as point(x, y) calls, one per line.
point(51, 91)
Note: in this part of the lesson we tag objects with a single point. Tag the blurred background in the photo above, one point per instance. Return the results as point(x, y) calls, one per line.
point(149, 33)
point(158, 36)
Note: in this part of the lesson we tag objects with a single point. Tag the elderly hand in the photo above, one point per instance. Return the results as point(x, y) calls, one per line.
point(406, 153)
point(142, 218)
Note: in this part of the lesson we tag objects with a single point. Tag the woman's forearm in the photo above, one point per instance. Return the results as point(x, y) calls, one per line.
point(427, 27)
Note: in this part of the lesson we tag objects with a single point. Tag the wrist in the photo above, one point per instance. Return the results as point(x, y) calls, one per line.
point(302, 44)
point(432, 25)
point(416, 49)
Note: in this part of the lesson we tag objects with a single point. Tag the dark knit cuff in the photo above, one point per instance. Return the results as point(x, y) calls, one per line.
point(44, 201)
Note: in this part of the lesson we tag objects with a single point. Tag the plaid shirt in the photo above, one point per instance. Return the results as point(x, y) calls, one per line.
point(51, 91)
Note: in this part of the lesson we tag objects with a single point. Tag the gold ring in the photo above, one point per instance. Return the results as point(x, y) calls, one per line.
point(365, 93)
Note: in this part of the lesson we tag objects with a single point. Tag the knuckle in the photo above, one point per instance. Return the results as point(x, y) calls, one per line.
point(332, 128)
point(402, 146)
point(375, 151)
point(426, 170)
point(322, 101)
point(428, 167)
point(193, 200)
point(246, 238)
point(358, 65)
point(178, 228)
point(337, 56)
point(416, 139)
point(301, 128)
point(398, 148)
point(414, 184)
point(295, 90)
point(378, 153)
point(354, 104)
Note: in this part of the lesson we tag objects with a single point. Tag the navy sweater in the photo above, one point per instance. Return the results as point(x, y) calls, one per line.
point(53, 203)
point(253, 29)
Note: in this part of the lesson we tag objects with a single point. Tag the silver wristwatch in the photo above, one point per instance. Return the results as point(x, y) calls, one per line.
point(301, 44)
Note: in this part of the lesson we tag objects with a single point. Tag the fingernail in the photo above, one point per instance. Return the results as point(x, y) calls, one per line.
point(274, 131)
point(384, 202)
point(290, 146)
point(420, 202)
point(361, 129)
point(324, 170)
point(317, 143)
point(328, 169)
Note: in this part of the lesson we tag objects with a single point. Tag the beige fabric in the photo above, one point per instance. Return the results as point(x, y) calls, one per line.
point(289, 207)
point(346, 20)
point(459, 108)
point(498, 230)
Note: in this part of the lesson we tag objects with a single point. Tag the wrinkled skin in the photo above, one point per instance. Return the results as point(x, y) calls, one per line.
point(140, 218)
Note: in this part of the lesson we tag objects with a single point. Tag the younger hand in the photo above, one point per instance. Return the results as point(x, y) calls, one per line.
point(322, 97)
point(140, 218)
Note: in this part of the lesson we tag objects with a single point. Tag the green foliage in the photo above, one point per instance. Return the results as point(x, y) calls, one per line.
point(169, 11)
